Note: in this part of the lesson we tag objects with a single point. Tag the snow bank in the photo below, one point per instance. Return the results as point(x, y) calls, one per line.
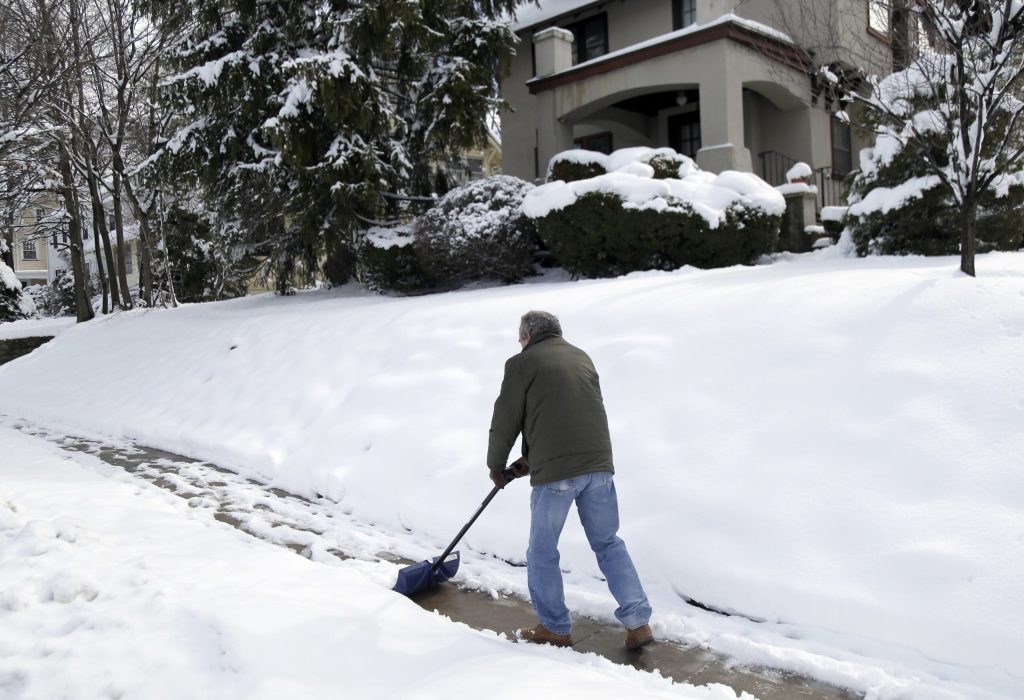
point(829, 445)
point(38, 327)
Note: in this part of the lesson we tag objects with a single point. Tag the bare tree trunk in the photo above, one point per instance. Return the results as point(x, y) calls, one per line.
point(83, 306)
point(145, 236)
point(101, 273)
point(108, 274)
point(122, 271)
point(8, 236)
point(968, 239)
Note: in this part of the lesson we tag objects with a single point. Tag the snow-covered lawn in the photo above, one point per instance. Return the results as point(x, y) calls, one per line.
point(828, 446)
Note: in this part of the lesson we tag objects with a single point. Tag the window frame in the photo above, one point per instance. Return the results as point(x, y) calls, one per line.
point(26, 244)
point(584, 142)
point(579, 37)
point(688, 118)
point(836, 171)
point(680, 11)
point(885, 35)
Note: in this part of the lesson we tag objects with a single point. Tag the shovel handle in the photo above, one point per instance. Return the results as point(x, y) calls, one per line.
point(509, 476)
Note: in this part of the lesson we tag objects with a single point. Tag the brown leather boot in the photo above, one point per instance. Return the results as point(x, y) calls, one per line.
point(542, 635)
point(639, 637)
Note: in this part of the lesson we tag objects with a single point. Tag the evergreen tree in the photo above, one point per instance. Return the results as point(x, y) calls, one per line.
point(950, 137)
point(294, 117)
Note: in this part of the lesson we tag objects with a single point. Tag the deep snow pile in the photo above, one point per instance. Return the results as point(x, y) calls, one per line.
point(830, 446)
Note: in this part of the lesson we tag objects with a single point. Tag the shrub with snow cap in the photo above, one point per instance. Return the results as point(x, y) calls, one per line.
point(477, 231)
point(629, 220)
point(577, 164)
point(386, 260)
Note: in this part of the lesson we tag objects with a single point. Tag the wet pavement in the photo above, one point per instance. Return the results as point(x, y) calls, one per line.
point(309, 528)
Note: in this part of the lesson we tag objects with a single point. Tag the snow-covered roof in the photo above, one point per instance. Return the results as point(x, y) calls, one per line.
point(533, 13)
point(728, 18)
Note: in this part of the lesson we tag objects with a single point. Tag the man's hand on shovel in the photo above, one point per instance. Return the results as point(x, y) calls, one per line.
point(501, 477)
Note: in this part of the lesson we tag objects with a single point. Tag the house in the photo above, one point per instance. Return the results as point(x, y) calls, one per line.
point(34, 250)
point(40, 243)
point(713, 79)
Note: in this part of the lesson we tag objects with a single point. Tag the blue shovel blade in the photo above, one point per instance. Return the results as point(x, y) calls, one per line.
point(417, 577)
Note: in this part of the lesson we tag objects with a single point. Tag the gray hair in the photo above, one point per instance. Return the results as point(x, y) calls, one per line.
point(536, 322)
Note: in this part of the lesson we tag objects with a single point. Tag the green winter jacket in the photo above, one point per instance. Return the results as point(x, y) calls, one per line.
point(551, 394)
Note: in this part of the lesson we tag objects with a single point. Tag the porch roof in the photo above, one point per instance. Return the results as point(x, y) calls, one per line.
point(764, 39)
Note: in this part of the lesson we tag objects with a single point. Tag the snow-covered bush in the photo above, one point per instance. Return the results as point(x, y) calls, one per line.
point(56, 298)
point(833, 220)
point(477, 231)
point(630, 220)
point(15, 304)
point(577, 164)
point(387, 260)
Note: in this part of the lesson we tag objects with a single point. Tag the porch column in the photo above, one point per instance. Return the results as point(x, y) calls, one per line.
point(553, 53)
point(721, 123)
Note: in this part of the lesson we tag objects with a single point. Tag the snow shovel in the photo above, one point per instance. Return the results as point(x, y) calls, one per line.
point(428, 573)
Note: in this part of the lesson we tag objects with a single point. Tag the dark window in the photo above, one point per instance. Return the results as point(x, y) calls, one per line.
point(842, 148)
point(602, 143)
point(28, 250)
point(40, 215)
point(684, 13)
point(589, 38)
point(684, 133)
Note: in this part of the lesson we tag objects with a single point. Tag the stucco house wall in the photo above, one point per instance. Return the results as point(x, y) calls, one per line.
point(754, 99)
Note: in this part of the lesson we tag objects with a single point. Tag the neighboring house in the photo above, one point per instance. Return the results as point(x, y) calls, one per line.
point(473, 163)
point(710, 78)
point(40, 250)
point(35, 252)
point(132, 244)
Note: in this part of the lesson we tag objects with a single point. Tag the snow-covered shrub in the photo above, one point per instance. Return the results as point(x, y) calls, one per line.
point(577, 164)
point(387, 260)
point(668, 164)
point(477, 231)
point(623, 221)
point(15, 304)
point(56, 298)
point(833, 220)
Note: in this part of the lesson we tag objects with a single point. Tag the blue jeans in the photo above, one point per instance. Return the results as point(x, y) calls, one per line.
point(598, 507)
